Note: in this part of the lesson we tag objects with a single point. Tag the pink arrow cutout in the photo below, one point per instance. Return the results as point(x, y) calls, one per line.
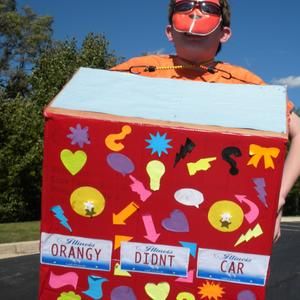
point(189, 279)
point(252, 215)
point(152, 235)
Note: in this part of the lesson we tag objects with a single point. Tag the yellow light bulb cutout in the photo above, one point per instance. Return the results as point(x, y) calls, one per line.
point(155, 169)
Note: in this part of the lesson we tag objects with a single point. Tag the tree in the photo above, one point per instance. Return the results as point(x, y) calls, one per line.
point(21, 122)
point(20, 160)
point(60, 61)
point(23, 37)
point(292, 206)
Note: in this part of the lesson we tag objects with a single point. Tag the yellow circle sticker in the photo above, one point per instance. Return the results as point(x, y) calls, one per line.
point(225, 216)
point(87, 201)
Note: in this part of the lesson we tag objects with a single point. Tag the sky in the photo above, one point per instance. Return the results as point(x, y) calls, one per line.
point(265, 37)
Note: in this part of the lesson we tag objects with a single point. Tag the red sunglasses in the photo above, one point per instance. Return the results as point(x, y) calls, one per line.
point(208, 8)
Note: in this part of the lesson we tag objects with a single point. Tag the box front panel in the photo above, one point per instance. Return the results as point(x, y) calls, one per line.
point(133, 211)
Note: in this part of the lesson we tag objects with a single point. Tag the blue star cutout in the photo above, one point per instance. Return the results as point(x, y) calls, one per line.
point(158, 143)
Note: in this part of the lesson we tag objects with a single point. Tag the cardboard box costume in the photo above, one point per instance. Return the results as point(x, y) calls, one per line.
point(159, 189)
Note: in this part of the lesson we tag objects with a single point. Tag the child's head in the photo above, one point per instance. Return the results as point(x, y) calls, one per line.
point(225, 11)
point(198, 28)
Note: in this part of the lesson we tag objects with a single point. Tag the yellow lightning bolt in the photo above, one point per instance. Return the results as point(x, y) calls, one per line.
point(251, 233)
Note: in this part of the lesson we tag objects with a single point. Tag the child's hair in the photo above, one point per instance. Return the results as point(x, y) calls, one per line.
point(224, 6)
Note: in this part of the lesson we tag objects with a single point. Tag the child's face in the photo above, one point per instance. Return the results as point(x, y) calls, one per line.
point(193, 48)
point(197, 17)
point(190, 44)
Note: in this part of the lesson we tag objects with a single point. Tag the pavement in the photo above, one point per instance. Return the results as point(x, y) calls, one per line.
point(290, 219)
point(19, 249)
point(284, 281)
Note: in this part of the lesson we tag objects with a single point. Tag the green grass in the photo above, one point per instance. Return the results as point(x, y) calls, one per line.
point(18, 232)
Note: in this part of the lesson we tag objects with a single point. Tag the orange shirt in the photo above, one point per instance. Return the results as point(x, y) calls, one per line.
point(167, 67)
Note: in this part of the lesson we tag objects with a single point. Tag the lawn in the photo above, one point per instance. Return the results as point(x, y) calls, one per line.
point(17, 232)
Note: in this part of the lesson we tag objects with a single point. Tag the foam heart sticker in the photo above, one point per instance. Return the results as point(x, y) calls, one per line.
point(158, 291)
point(122, 293)
point(73, 162)
point(177, 222)
point(246, 295)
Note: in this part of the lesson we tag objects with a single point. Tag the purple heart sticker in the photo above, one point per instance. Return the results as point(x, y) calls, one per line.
point(122, 292)
point(246, 295)
point(177, 222)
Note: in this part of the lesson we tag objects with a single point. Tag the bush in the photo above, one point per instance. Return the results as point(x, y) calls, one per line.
point(21, 126)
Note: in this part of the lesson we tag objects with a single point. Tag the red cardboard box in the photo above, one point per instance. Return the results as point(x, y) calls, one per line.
point(159, 207)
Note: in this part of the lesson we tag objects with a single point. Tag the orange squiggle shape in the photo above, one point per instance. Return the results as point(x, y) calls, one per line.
point(111, 139)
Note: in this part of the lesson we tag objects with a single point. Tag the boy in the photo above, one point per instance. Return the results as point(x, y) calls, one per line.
point(198, 29)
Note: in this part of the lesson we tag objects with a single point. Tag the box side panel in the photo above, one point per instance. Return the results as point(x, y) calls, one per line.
point(140, 210)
